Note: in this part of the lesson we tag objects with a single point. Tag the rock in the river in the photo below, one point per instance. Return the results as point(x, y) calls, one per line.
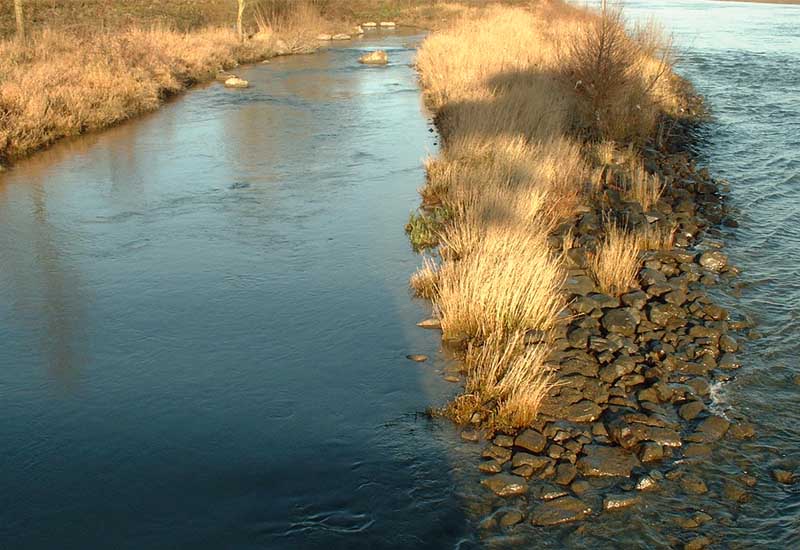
point(582, 411)
point(432, 323)
point(378, 57)
point(417, 357)
point(341, 36)
point(601, 461)
point(236, 82)
point(690, 410)
point(323, 37)
point(506, 485)
point(536, 462)
point(713, 260)
point(560, 510)
point(531, 440)
point(697, 543)
point(650, 451)
point(783, 476)
point(615, 502)
point(693, 485)
point(512, 517)
point(565, 473)
point(711, 429)
point(388, 24)
point(491, 466)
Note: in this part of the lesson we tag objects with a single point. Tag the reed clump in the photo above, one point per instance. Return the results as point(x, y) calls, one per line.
point(539, 110)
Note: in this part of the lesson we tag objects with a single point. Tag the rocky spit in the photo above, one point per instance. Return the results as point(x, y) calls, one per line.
point(632, 407)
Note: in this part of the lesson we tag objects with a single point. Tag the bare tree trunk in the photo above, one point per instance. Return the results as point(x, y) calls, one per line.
point(20, 20)
point(239, 14)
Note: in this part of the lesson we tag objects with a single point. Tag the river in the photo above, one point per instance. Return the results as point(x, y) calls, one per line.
point(204, 315)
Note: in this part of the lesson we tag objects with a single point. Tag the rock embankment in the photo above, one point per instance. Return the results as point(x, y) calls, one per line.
point(632, 405)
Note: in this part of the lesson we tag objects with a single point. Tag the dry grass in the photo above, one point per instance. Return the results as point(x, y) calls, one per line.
point(59, 86)
point(506, 382)
point(66, 82)
point(616, 261)
point(536, 108)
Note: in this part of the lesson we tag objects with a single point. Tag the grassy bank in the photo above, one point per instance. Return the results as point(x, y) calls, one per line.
point(542, 111)
point(90, 64)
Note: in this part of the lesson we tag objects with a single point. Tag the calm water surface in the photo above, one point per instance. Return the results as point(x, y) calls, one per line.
point(204, 317)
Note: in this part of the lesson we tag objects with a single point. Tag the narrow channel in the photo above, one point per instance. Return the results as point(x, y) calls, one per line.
point(204, 319)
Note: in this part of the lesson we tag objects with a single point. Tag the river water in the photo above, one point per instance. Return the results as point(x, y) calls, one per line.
point(204, 316)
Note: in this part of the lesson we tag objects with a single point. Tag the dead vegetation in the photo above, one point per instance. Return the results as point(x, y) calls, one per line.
point(539, 110)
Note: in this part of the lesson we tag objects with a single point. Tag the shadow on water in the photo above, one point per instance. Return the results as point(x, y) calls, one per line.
point(204, 317)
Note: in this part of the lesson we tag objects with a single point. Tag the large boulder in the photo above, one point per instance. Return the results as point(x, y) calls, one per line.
point(378, 57)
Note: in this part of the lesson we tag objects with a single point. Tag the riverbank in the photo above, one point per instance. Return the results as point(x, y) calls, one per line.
point(570, 274)
point(69, 78)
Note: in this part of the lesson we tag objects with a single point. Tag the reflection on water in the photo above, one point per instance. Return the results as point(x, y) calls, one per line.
point(204, 319)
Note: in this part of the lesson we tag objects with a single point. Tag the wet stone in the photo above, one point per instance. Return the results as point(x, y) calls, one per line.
point(742, 431)
point(616, 502)
point(500, 453)
point(491, 467)
point(525, 471)
point(417, 357)
point(694, 450)
point(735, 492)
point(646, 483)
point(728, 361)
point(650, 452)
point(582, 411)
point(506, 484)
point(512, 517)
point(783, 476)
point(548, 491)
point(565, 474)
point(561, 510)
point(697, 543)
point(693, 485)
point(712, 428)
point(690, 410)
point(534, 461)
point(470, 434)
point(531, 440)
point(713, 260)
point(603, 461)
point(728, 343)
point(504, 441)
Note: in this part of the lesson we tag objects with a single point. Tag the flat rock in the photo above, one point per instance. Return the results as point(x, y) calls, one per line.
point(417, 357)
point(560, 510)
point(580, 285)
point(582, 411)
point(505, 485)
point(565, 473)
point(693, 485)
point(690, 410)
point(712, 428)
point(512, 517)
point(616, 502)
point(531, 440)
point(536, 462)
point(603, 461)
point(432, 323)
point(236, 82)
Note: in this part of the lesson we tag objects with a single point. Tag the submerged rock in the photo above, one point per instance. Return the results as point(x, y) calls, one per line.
point(560, 510)
point(512, 517)
point(783, 476)
point(615, 502)
point(378, 57)
point(417, 357)
point(602, 461)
